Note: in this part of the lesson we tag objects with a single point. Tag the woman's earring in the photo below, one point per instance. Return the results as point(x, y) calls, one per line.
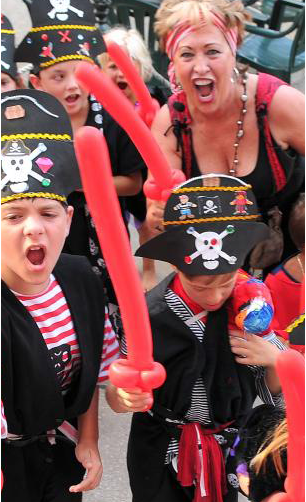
point(235, 75)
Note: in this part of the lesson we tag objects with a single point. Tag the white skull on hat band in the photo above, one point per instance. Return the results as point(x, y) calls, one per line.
point(16, 163)
point(209, 246)
point(60, 9)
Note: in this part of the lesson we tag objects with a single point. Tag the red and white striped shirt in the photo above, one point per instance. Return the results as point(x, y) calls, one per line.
point(51, 313)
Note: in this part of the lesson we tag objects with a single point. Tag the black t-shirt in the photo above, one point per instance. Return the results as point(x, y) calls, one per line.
point(125, 159)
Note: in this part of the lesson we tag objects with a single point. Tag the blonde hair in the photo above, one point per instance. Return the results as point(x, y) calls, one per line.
point(193, 12)
point(273, 446)
point(133, 42)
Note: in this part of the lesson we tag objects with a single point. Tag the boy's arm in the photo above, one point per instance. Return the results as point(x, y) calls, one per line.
point(129, 184)
point(86, 450)
point(125, 400)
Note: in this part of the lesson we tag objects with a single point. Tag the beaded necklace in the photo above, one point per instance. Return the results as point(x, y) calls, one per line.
point(240, 130)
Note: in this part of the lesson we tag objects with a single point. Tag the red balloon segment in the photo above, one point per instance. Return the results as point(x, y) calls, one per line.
point(92, 79)
point(96, 174)
point(147, 106)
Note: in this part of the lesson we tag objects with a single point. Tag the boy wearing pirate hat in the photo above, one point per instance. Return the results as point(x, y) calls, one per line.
point(10, 78)
point(57, 341)
point(181, 449)
point(63, 34)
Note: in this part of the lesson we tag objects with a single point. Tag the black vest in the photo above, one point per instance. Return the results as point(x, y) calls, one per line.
point(230, 387)
point(31, 392)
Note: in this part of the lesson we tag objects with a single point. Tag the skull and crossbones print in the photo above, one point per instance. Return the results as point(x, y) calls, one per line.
point(61, 8)
point(209, 246)
point(16, 163)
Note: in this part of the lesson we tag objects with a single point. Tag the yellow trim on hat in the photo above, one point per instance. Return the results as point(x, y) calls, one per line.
point(45, 195)
point(65, 58)
point(39, 135)
point(63, 27)
point(9, 32)
point(212, 188)
point(295, 323)
point(204, 220)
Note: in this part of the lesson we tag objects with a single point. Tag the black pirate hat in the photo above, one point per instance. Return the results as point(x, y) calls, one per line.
point(296, 332)
point(211, 224)
point(37, 154)
point(62, 30)
point(8, 48)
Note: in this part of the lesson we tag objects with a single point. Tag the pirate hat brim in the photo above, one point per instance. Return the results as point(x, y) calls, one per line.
point(176, 246)
point(297, 331)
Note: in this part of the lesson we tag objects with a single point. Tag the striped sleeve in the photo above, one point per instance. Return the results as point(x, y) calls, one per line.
point(110, 351)
point(263, 390)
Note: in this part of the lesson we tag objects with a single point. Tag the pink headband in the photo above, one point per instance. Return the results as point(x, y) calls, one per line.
point(183, 29)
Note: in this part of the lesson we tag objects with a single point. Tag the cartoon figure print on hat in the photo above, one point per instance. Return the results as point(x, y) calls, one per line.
point(62, 30)
point(215, 237)
point(29, 166)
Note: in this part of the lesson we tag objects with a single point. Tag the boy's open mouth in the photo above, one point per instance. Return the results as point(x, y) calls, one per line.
point(36, 255)
point(204, 88)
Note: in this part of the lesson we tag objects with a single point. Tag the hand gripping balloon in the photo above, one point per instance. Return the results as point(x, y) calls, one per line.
point(165, 178)
point(251, 305)
point(139, 369)
point(148, 106)
point(290, 366)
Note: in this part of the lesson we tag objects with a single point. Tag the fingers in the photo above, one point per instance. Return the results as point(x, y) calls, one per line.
point(135, 399)
point(155, 215)
point(92, 476)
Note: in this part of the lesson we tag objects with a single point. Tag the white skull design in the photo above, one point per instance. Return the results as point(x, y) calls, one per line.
point(17, 167)
point(16, 163)
point(61, 8)
point(209, 246)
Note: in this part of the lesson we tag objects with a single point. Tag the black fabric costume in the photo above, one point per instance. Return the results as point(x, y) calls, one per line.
point(259, 425)
point(31, 391)
point(125, 160)
point(230, 390)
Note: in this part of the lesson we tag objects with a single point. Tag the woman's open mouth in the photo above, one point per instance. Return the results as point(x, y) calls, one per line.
point(205, 89)
point(36, 255)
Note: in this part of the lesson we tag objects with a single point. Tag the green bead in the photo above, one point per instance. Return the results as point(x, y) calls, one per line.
point(45, 182)
point(230, 229)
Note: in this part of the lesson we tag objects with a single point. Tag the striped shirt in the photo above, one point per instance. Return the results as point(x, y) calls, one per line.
point(52, 315)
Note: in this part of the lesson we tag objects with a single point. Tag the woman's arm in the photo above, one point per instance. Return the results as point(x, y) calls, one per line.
point(287, 118)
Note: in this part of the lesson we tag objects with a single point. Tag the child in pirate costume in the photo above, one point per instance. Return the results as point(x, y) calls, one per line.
point(181, 449)
point(63, 34)
point(10, 78)
point(57, 340)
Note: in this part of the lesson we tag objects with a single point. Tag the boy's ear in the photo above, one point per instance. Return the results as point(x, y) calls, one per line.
point(70, 210)
point(35, 81)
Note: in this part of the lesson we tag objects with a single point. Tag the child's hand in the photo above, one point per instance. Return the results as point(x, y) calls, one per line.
point(155, 215)
point(88, 455)
point(253, 350)
point(134, 399)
